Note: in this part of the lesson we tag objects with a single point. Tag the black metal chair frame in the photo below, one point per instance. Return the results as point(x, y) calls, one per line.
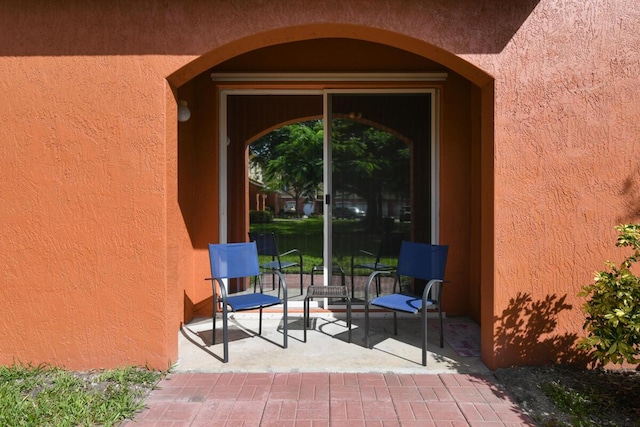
point(266, 243)
point(426, 301)
point(389, 245)
point(245, 301)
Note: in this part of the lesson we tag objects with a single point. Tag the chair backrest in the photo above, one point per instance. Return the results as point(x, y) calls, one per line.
point(422, 260)
point(266, 243)
point(233, 260)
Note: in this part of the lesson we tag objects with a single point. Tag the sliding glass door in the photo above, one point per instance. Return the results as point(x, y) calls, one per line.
point(339, 176)
point(375, 140)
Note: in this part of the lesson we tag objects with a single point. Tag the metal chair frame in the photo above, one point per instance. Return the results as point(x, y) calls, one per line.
point(266, 243)
point(389, 245)
point(416, 265)
point(239, 261)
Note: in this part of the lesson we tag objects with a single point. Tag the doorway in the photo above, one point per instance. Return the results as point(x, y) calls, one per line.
point(379, 161)
point(463, 94)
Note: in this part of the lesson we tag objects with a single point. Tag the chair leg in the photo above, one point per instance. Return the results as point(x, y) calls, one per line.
point(260, 323)
point(366, 325)
point(424, 337)
point(301, 280)
point(441, 327)
point(395, 323)
point(285, 315)
point(213, 331)
point(352, 285)
point(225, 333)
point(349, 317)
point(279, 284)
point(305, 318)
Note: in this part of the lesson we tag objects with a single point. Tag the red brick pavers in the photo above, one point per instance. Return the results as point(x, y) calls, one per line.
point(328, 399)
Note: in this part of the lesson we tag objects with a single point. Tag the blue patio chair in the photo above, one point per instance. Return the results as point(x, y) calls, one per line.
point(389, 248)
point(266, 243)
point(239, 261)
point(418, 261)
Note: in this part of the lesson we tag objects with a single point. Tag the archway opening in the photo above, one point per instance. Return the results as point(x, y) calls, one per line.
point(463, 173)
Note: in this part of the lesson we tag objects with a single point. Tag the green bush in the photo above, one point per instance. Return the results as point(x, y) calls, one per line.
point(260, 217)
point(613, 306)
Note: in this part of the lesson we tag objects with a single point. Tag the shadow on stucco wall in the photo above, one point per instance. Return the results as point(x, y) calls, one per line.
point(526, 331)
point(203, 308)
point(631, 193)
point(140, 27)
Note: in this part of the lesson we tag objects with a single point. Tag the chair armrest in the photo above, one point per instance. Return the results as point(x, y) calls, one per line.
point(438, 298)
point(360, 253)
point(223, 290)
point(427, 289)
point(284, 287)
point(289, 252)
point(293, 251)
point(371, 278)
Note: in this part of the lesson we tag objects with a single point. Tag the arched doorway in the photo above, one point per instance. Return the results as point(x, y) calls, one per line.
point(465, 140)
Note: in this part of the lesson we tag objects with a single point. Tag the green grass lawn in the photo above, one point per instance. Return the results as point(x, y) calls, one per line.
point(49, 396)
point(306, 235)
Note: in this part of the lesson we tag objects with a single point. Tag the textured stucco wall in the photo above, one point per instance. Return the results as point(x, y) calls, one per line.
point(84, 209)
point(567, 166)
point(95, 252)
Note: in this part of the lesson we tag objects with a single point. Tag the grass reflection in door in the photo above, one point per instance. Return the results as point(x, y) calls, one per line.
point(370, 187)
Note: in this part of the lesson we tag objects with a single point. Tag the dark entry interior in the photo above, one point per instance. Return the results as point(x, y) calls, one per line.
point(459, 142)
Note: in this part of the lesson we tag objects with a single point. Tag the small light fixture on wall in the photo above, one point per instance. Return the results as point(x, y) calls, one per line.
point(184, 113)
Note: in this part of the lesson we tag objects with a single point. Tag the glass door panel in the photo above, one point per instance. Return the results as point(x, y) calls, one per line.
point(374, 141)
point(283, 179)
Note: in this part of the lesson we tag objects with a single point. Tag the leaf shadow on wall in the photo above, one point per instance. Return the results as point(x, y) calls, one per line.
point(631, 193)
point(525, 333)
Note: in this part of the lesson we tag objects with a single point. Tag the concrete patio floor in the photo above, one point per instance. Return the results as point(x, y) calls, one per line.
point(326, 349)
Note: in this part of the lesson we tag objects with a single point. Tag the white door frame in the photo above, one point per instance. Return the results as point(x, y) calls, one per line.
point(325, 93)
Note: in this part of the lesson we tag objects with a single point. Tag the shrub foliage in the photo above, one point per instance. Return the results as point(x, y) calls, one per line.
point(613, 306)
point(260, 217)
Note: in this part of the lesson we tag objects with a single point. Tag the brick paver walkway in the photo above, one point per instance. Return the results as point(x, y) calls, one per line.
point(328, 399)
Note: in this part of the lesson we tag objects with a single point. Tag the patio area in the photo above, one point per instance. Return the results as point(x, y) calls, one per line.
point(329, 381)
point(326, 381)
point(327, 348)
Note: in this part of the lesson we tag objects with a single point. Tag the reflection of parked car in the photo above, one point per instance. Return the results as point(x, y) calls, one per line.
point(348, 212)
point(289, 209)
point(405, 214)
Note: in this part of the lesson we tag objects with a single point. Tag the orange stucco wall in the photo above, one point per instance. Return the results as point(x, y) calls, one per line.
point(103, 240)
